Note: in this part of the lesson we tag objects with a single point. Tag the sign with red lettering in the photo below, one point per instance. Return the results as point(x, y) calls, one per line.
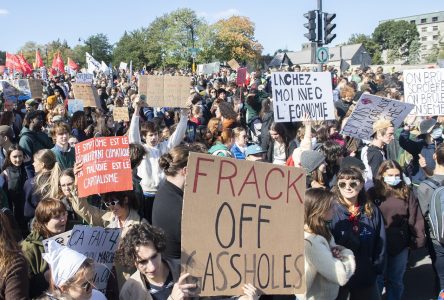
point(250, 228)
point(106, 165)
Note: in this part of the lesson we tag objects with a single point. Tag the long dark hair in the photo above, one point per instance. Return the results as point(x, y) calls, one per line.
point(283, 133)
point(316, 204)
point(8, 162)
point(382, 190)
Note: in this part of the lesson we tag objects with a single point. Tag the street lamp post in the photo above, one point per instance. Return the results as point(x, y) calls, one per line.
point(192, 32)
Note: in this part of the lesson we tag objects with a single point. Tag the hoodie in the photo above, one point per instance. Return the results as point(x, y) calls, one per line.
point(220, 149)
point(33, 141)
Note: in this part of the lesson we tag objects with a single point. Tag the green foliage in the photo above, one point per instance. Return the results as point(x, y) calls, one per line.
point(369, 44)
point(396, 37)
point(131, 46)
point(99, 47)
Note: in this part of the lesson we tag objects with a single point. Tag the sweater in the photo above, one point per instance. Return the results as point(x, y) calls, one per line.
point(65, 159)
point(167, 215)
point(323, 272)
point(14, 284)
point(149, 169)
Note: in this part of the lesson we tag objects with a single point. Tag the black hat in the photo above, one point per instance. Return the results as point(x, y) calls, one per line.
point(311, 160)
point(351, 161)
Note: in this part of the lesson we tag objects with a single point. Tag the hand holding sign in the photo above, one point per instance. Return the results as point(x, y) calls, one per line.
point(182, 289)
point(250, 292)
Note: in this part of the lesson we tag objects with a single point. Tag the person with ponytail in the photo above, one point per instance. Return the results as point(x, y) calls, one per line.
point(167, 209)
point(45, 184)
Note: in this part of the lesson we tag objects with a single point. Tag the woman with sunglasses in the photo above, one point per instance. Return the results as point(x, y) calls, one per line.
point(403, 221)
point(358, 225)
point(72, 275)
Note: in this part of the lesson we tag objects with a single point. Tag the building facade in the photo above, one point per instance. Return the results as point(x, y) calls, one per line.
point(430, 28)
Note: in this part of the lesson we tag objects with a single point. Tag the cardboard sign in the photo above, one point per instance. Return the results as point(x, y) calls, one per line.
point(233, 64)
point(62, 239)
point(106, 165)
point(371, 108)
point(74, 105)
point(16, 90)
point(425, 89)
point(298, 94)
point(121, 114)
point(36, 87)
point(250, 228)
point(123, 65)
point(241, 76)
point(208, 69)
point(87, 93)
point(99, 244)
point(165, 91)
point(84, 78)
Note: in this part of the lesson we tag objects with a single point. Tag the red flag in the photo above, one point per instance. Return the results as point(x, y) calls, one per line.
point(13, 63)
point(72, 64)
point(38, 59)
point(26, 67)
point(58, 64)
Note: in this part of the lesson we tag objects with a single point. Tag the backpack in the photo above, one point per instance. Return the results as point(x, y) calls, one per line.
point(436, 209)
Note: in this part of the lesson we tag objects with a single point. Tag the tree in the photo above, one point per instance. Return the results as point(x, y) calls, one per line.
point(235, 39)
point(131, 47)
point(437, 52)
point(99, 47)
point(28, 50)
point(369, 44)
point(396, 37)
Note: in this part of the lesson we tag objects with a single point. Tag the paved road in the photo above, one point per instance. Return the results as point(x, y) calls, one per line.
point(419, 278)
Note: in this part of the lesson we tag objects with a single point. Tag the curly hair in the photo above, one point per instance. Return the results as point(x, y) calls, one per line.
point(174, 160)
point(139, 235)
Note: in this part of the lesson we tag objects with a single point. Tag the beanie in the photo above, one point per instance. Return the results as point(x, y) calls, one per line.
point(311, 160)
point(51, 100)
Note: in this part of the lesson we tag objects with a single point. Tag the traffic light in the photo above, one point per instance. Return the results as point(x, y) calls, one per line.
point(311, 25)
point(328, 28)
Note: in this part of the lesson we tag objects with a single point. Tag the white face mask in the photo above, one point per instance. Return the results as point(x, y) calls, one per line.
point(392, 180)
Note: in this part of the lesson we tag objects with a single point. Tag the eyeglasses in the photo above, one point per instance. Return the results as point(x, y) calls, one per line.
point(351, 184)
point(111, 203)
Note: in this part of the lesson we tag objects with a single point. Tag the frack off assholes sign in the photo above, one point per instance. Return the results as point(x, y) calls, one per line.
point(250, 228)
point(425, 89)
point(298, 94)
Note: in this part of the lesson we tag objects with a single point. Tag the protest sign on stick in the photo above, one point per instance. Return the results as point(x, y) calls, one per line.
point(120, 114)
point(245, 211)
point(241, 76)
point(61, 238)
point(298, 94)
point(99, 244)
point(106, 166)
point(36, 87)
point(84, 78)
point(425, 89)
point(233, 64)
point(87, 93)
point(371, 108)
point(165, 91)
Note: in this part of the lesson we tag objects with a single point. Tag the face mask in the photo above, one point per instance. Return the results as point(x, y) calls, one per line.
point(313, 141)
point(392, 180)
point(436, 133)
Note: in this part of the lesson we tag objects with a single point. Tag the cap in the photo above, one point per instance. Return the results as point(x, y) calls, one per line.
point(426, 125)
point(51, 100)
point(254, 149)
point(31, 102)
point(311, 160)
point(382, 124)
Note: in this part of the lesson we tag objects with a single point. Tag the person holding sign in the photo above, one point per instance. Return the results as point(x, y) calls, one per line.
point(357, 224)
point(72, 274)
point(50, 220)
point(149, 169)
point(327, 266)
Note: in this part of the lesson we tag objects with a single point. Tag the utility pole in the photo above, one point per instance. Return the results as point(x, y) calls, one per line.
point(320, 43)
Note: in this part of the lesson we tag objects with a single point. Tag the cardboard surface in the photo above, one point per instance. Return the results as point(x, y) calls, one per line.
point(36, 87)
point(99, 244)
point(242, 222)
point(425, 89)
point(87, 93)
point(120, 114)
point(106, 165)
point(371, 108)
point(233, 64)
point(297, 94)
point(165, 91)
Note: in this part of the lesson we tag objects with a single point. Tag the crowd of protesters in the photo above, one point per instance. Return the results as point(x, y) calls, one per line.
point(366, 204)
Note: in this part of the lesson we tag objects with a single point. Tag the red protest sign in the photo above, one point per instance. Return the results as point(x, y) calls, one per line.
point(241, 76)
point(106, 166)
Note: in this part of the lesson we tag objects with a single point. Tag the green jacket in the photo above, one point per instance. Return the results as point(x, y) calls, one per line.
point(66, 159)
point(32, 248)
point(220, 149)
point(32, 141)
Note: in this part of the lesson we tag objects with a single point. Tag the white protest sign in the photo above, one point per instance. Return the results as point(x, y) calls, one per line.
point(297, 94)
point(74, 105)
point(371, 108)
point(99, 244)
point(208, 68)
point(123, 65)
point(84, 78)
point(62, 239)
point(425, 89)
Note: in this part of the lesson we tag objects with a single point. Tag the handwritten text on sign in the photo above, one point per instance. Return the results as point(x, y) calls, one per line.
point(425, 89)
point(243, 208)
point(298, 94)
point(371, 108)
point(106, 165)
point(99, 244)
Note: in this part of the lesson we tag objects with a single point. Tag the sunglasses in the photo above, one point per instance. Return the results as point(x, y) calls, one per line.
point(352, 184)
point(111, 203)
